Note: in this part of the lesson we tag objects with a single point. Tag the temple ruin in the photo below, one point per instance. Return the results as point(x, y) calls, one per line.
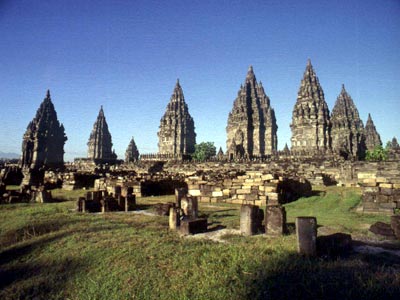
point(372, 137)
point(310, 120)
point(100, 144)
point(132, 152)
point(176, 135)
point(44, 139)
point(347, 131)
point(252, 129)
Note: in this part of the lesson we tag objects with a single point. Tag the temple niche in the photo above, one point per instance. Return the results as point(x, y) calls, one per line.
point(347, 130)
point(310, 119)
point(100, 144)
point(372, 137)
point(132, 152)
point(176, 133)
point(44, 139)
point(251, 129)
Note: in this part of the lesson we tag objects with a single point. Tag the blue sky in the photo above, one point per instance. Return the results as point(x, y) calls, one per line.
point(127, 55)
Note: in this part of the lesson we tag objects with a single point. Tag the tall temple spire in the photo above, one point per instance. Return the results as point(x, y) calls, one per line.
point(347, 131)
point(176, 134)
point(310, 120)
point(44, 139)
point(372, 137)
point(100, 144)
point(251, 129)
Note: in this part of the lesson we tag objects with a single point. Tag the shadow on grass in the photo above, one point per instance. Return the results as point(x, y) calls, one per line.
point(296, 277)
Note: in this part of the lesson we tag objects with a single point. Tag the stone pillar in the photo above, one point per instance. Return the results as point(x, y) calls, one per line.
point(104, 205)
point(179, 194)
point(275, 220)
point(190, 207)
point(173, 218)
point(248, 219)
point(306, 231)
point(395, 224)
point(83, 205)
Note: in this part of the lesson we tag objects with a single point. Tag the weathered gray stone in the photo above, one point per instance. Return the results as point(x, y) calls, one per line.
point(383, 229)
point(193, 226)
point(179, 194)
point(249, 219)
point(174, 218)
point(190, 207)
point(275, 220)
point(395, 225)
point(306, 231)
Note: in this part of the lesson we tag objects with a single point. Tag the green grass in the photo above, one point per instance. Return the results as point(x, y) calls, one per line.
point(50, 252)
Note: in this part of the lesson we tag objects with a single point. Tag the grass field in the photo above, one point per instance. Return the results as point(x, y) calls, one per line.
point(48, 251)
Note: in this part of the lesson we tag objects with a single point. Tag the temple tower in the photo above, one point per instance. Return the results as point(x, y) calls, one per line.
point(176, 134)
point(347, 130)
point(252, 129)
point(132, 153)
point(100, 144)
point(310, 119)
point(372, 137)
point(44, 139)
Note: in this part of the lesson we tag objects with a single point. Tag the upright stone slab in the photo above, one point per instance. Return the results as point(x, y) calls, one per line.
point(249, 219)
point(179, 194)
point(189, 205)
point(174, 218)
point(275, 220)
point(306, 231)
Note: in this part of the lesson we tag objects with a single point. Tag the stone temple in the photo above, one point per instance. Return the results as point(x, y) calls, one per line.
point(372, 137)
point(44, 139)
point(132, 152)
point(100, 144)
point(252, 128)
point(310, 119)
point(176, 134)
point(347, 130)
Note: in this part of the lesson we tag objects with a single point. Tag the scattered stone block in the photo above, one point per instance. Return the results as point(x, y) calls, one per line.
point(383, 229)
point(395, 225)
point(334, 245)
point(249, 219)
point(190, 207)
point(306, 231)
point(275, 220)
point(193, 226)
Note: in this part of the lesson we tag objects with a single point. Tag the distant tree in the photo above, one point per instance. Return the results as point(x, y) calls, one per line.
point(204, 151)
point(378, 154)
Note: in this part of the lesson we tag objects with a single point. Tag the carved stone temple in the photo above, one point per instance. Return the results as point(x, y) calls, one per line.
point(44, 139)
point(100, 144)
point(347, 130)
point(132, 152)
point(252, 129)
point(372, 137)
point(310, 119)
point(176, 133)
